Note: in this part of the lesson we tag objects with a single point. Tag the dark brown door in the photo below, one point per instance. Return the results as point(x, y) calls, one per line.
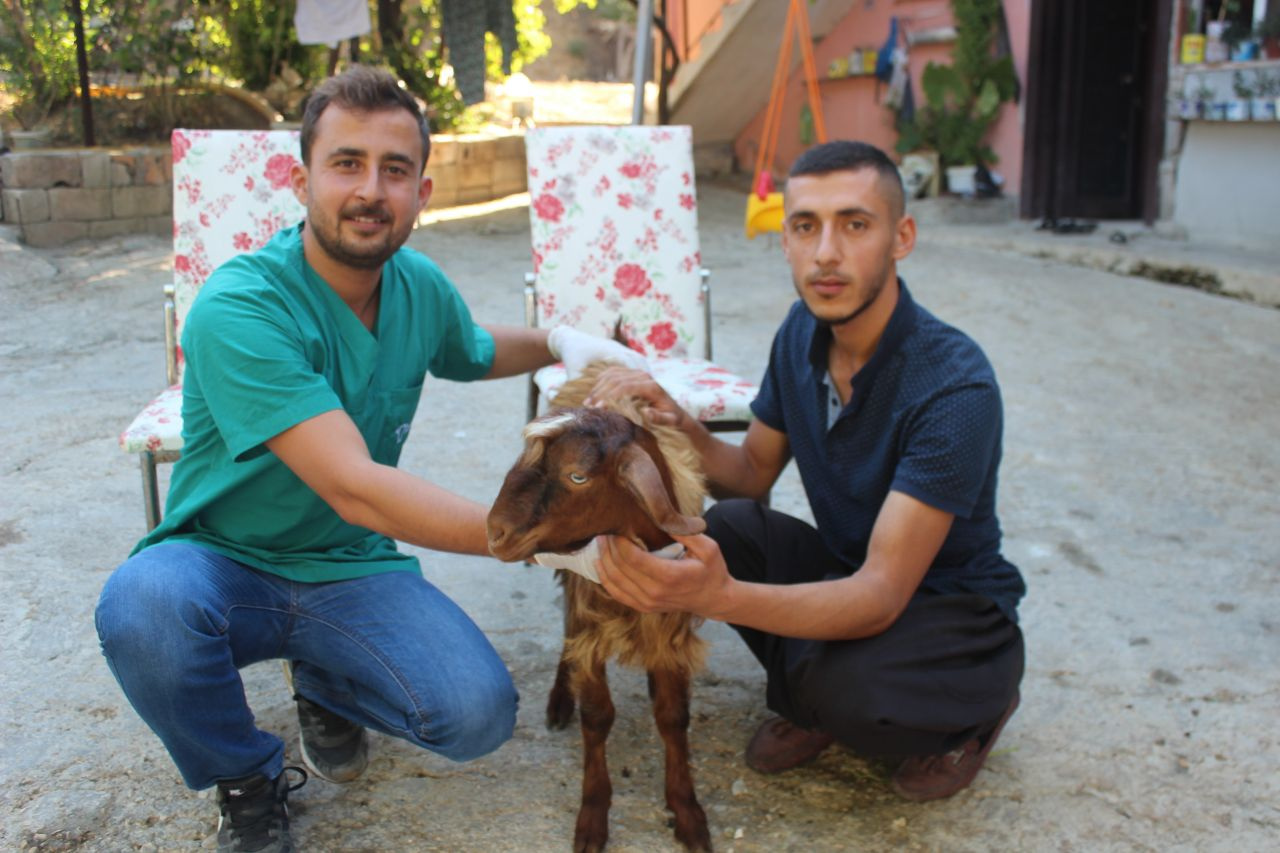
point(1097, 72)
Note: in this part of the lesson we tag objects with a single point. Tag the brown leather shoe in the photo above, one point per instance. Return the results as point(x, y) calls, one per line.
point(779, 745)
point(933, 777)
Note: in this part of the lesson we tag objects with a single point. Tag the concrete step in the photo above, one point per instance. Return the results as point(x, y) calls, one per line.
point(1154, 252)
point(728, 83)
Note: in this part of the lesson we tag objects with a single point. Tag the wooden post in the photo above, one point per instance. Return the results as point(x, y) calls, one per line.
point(82, 62)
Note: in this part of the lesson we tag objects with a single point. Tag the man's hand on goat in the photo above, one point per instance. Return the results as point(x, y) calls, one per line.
point(617, 383)
point(578, 349)
point(699, 583)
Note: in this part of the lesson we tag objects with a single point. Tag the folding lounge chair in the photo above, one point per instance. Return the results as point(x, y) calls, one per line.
point(231, 194)
point(614, 221)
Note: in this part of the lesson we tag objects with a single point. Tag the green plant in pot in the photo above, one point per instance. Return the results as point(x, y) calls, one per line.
point(1266, 95)
point(963, 99)
point(33, 105)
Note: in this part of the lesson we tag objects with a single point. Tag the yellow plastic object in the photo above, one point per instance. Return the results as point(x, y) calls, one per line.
point(1192, 49)
point(763, 214)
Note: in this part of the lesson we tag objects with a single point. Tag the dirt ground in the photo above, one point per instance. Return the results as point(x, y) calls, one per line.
point(1140, 497)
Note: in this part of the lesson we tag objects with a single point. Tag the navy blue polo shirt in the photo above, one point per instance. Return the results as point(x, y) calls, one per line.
point(925, 418)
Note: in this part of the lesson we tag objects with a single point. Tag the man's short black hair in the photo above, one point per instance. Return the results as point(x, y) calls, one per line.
point(847, 155)
point(363, 89)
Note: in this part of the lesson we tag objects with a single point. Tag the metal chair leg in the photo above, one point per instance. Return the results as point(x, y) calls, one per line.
point(150, 489)
point(531, 320)
point(532, 407)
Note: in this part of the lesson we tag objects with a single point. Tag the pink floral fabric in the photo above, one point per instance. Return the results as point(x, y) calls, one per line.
point(231, 194)
point(702, 389)
point(158, 427)
point(614, 221)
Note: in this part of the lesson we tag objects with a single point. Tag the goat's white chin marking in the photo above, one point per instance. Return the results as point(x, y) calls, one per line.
point(547, 426)
point(583, 562)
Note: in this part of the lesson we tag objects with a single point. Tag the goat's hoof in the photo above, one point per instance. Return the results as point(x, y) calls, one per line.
point(559, 713)
point(698, 841)
point(589, 840)
point(692, 831)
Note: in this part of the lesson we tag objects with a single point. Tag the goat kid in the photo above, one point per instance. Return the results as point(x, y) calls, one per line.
point(586, 472)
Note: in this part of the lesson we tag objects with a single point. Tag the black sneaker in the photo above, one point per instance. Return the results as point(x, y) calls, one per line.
point(333, 747)
point(253, 814)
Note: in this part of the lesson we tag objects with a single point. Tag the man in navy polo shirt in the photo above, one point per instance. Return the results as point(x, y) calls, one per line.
point(891, 628)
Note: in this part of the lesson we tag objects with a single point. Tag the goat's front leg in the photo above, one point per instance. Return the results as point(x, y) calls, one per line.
point(560, 700)
point(596, 708)
point(669, 689)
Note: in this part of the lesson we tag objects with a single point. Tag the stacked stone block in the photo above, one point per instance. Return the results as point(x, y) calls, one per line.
point(475, 168)
point(55, 196)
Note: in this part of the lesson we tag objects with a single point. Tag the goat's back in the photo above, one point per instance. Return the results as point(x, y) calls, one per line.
point(596, 626)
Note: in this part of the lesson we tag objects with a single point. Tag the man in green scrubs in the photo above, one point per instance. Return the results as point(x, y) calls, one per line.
point(305, 362)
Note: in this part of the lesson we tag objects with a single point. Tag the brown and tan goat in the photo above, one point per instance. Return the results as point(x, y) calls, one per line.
point(586, 472)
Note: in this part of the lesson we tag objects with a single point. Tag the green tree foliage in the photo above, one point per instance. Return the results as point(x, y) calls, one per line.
point(162, 43)
point(37, 56)
point(261, 38)
point(409, 32)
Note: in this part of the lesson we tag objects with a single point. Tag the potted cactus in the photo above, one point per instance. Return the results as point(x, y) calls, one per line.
point(963, 99)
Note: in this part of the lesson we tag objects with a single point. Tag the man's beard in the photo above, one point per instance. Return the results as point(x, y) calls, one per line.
point(853, 315)
point(330, 241)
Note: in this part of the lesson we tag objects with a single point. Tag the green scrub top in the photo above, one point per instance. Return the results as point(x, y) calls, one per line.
point(268, 344)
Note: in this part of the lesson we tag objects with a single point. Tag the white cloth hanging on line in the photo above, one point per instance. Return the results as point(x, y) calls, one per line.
point(330, 21)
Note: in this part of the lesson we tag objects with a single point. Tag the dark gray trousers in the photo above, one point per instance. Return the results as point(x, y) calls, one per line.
point(943, 673)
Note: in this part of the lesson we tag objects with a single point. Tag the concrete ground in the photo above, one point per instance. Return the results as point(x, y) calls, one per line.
point(1140, 497)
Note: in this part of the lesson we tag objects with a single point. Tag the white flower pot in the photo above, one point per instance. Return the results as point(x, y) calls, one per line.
point(24, 140)
point(960, 179)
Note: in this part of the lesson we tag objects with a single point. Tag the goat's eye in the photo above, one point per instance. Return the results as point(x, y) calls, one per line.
point(577, 478)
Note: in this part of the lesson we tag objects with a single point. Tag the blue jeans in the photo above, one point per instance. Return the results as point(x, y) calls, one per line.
point(390, 652)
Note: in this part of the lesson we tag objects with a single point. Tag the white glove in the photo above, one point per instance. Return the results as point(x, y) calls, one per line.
point(584, 562)
point(579, 562)
point(578, 349)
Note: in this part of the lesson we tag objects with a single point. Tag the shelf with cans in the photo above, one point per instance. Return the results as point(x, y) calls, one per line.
point(1229, 61)
point(860, 62)
point(1233, 91)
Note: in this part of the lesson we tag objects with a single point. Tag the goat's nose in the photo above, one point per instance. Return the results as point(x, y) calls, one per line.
point(497, 531)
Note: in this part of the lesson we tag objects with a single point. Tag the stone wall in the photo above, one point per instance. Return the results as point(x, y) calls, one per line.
point(474, 168)
point(56, 196)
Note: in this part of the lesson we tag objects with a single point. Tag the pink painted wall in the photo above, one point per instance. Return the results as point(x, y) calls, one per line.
point(1007, 136)
point(690, 20)
point(853, 107)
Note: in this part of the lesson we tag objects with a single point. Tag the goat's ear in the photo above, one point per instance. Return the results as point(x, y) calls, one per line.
point(533, 449)
point(637, 471)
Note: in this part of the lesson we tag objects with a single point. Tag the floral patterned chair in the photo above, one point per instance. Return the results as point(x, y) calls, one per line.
point(231, 194)
point(614, 220)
